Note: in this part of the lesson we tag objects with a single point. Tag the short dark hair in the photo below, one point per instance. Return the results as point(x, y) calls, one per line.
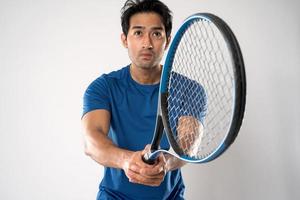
point(132, 7)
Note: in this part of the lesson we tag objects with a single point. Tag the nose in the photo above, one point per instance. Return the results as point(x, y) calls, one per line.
point(147, 42)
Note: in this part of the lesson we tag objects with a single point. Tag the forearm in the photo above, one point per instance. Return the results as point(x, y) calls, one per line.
point(101, 149)
point(173, 163)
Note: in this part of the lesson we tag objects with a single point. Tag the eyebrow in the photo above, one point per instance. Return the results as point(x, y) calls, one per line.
point(152, 28)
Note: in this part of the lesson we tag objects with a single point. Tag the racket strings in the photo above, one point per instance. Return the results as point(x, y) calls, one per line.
point(201, 87)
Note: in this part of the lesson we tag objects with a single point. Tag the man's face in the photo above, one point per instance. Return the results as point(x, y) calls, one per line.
point(146, 40)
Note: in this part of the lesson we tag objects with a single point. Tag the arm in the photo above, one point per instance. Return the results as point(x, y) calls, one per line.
point(189, 129)
point(96, 142)
point(101, 149)
point(190, 132)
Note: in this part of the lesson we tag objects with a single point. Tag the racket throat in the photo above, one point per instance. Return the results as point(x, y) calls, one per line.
point(159, 129)
point(151, 156)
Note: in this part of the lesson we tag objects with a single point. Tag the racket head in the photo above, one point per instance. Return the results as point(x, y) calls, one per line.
point(203, 89)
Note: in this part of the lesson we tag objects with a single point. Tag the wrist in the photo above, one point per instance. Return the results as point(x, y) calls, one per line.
point(173, 163)
point(125, 159)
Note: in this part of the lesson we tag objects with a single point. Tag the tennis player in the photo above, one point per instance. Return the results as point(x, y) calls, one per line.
point(119, 111)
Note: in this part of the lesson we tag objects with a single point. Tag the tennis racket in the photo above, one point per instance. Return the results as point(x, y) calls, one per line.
point(202, 92)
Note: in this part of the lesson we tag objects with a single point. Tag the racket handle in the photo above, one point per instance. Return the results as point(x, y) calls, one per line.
point(148, 160)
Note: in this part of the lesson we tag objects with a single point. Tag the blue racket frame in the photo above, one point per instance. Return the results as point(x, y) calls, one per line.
point(240, 93)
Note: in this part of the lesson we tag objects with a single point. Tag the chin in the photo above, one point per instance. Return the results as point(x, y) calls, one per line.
point(149, 65)
point(144, 66)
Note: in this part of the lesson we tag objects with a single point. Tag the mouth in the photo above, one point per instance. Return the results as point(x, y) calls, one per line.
point(146, 56)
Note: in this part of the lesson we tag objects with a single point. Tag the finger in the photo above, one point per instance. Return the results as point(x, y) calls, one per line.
point(161, 165)
point(162, 159)
point(137, 159)
point(150, 181)
point(140, 174)
point(147, 171)
point(146, 150)
point(148, 147)
point(159, 170)
point(133, 167)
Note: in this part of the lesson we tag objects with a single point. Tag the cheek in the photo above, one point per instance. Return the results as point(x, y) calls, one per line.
point(163, 46)
point(132, 47)
point(132, 52)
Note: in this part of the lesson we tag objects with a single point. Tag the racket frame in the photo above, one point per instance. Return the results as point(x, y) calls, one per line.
point(239, 97)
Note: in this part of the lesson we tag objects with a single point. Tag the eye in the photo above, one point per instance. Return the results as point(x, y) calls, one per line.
point(157, 34)
point(137, 33)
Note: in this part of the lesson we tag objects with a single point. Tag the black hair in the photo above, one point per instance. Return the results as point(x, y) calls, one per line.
point(132, 7)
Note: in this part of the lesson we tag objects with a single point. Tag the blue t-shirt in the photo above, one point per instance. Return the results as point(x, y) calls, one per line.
point(186, 97)
point(133, 109)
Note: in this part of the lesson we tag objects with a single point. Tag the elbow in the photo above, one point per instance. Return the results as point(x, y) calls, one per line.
point(87, 150)
point(88, 146)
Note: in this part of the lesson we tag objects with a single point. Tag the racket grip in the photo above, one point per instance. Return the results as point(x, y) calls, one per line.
point(148, 160)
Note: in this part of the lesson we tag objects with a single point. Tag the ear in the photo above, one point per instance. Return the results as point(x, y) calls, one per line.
point(168, 42)
point(124, 40)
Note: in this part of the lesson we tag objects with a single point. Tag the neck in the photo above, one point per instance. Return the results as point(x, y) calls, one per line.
point(146, 76)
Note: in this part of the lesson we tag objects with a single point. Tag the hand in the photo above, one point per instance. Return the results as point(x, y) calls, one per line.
point(190, 132)
point(139, 172)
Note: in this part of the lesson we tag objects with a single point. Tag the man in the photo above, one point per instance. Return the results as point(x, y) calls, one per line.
point(119, 111)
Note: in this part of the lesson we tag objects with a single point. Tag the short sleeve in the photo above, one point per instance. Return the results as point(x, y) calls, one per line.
point(188, 97)
point(96, 96)
point(199, 99)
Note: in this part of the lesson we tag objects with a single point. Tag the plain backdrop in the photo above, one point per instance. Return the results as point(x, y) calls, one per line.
point(50, 50)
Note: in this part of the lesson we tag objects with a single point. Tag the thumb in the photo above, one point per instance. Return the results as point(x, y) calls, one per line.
point(147, 149)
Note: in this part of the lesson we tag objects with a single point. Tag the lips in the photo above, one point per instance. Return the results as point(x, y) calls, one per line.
point(146, 55)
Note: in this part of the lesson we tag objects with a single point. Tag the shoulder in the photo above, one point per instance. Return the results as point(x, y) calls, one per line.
point(116, 75)
point(105, 80)
point(179, 78)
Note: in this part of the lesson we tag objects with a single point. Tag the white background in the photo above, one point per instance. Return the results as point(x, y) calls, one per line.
point(51, 50)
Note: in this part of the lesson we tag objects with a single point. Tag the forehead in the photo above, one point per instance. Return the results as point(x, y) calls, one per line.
point(146, 20)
